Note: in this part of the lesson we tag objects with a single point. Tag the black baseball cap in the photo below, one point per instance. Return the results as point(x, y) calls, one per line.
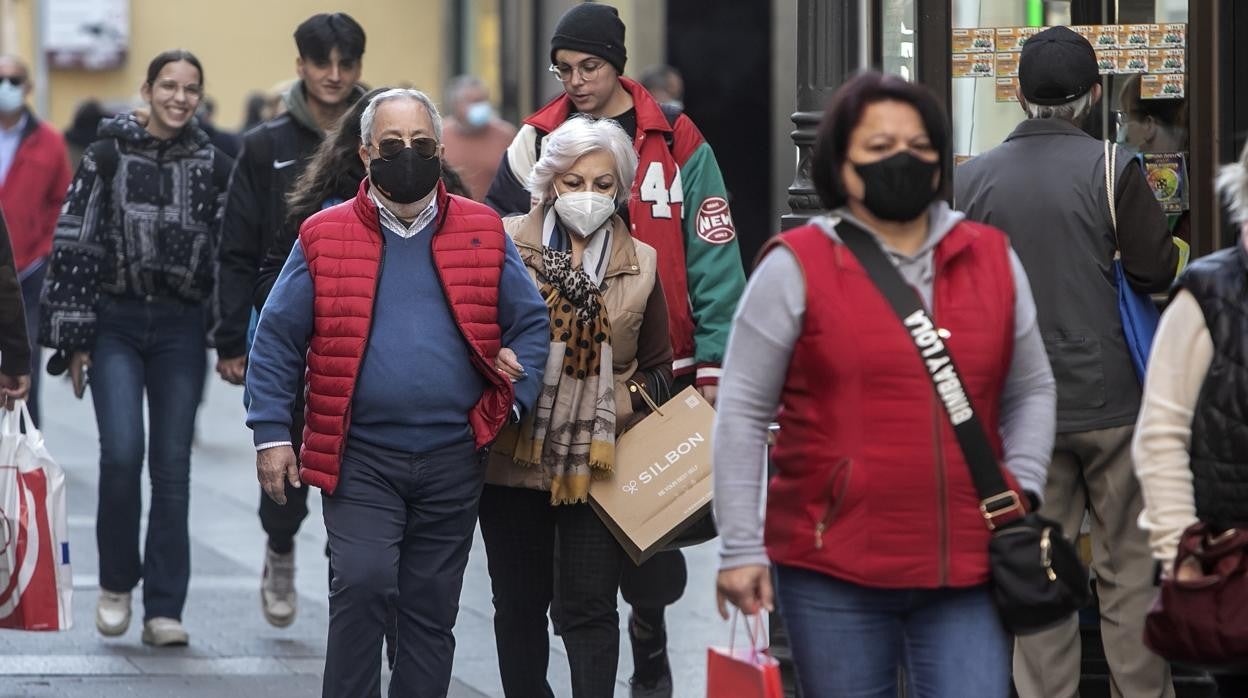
point(1057, 66)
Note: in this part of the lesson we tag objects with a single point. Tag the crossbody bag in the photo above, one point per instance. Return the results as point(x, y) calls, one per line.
point(1037, 578)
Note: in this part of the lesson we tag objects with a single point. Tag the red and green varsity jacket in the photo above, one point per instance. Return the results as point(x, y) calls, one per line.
point(678, 205)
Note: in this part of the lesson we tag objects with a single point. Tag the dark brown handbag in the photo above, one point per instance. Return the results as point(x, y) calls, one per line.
point(1204, 622)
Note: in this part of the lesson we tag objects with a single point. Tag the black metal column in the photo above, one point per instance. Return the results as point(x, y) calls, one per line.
point(828, 50)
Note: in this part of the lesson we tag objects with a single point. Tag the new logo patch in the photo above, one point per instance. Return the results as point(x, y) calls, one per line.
point(715, 221)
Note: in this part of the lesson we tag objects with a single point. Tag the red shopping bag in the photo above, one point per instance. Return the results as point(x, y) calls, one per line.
point(740, 672)
point(35, 581)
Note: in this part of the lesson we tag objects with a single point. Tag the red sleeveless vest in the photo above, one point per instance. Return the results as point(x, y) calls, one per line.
point(343, 246)
point(870, 484)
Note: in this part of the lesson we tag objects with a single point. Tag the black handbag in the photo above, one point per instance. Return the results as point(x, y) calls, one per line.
point(1037, 577)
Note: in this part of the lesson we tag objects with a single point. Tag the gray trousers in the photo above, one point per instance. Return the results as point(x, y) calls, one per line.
point(1091, 471)
point(400, 527)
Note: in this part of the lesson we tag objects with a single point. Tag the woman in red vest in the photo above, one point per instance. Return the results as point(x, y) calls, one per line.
point(872, 522)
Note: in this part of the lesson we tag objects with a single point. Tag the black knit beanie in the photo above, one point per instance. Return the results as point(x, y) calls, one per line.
point(592, 28)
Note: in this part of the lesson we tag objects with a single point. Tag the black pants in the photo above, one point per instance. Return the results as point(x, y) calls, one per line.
point(1231, 685)
point(281, 521)
point(521, 530)
point(400, 527)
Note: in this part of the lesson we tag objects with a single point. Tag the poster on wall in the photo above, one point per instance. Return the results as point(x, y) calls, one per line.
point(86, 34)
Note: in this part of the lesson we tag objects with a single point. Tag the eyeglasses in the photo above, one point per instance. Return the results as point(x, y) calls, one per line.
point(389, 148)
point(14, 80)
point(171, 87)
point(588, 69)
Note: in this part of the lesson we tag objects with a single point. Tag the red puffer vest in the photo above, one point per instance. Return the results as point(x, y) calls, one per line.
point(870, 483)
point(344, 247)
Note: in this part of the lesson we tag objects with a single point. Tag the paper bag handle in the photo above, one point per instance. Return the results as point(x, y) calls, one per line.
point(645, 397)
point(755, 632)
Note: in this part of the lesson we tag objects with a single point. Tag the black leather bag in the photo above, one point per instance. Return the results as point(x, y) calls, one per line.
point(1037, 577)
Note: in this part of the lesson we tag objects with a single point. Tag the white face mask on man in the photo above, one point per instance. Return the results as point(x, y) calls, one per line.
point(583, 213)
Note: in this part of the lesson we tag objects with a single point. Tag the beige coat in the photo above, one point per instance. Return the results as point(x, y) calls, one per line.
point(629, 281)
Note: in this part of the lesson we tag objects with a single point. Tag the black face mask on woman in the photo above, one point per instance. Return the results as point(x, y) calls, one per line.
point(898, 188)
point(407, 177)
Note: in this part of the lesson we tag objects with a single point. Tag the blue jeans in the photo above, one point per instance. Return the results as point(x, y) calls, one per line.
point(849, 641)
point(159, 346)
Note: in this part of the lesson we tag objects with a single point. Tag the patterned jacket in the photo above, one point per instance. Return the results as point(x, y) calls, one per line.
point(142, 219)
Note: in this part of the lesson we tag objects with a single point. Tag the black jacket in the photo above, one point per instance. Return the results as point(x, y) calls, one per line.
point(1219, 449)
point(14, 345)
point(1045, 187)
point(141, 219)
point(273, 156)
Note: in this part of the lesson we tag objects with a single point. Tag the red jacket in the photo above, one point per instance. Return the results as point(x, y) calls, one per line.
point(870, 483)
point(343, 246)
point(33, 191)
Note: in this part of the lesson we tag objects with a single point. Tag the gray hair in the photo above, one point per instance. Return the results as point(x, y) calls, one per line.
point(1073, 111)
point(370, 112)
point(456, 87)
point(576, 137)
point(1233, 183)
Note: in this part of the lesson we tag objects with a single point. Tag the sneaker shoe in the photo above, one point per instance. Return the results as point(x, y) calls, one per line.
point(164, 632)
point(112, 613)
point(652, 675)
point(277, 588)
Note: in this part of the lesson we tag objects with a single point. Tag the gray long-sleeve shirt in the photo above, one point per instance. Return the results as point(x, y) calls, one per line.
point(767, 326)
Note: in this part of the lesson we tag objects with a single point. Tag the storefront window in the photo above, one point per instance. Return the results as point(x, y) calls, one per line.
point(897, 37)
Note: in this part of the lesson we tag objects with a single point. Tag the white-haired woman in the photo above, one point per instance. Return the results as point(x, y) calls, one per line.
point(1190, 444)
point(608, 342)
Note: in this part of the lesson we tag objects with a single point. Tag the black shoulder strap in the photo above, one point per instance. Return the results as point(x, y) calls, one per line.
point(672, 112)
point(998, 503)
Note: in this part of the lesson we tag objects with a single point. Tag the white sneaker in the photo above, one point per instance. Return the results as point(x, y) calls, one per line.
point(164, 632)
point(112, 613)
point(277, 588)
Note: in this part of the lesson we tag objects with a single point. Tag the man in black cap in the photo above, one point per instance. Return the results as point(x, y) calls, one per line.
point(1045, 186)
point(679, 206)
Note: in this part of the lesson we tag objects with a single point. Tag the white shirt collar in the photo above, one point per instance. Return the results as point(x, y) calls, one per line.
point(396, 226)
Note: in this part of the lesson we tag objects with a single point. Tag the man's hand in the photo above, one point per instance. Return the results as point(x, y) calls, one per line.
point(710, 392)
point(79, 362)
point(274, 468)
point(232, 371)
point(509, 365)
point(13, 388)
point(748, 588)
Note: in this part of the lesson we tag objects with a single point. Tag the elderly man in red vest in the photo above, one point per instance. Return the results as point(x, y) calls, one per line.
point(401, 300)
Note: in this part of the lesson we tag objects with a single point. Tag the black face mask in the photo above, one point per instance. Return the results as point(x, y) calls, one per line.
point(898, 188)
point(406, 178)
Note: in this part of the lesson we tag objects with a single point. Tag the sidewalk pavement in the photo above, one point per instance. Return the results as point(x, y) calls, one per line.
point(233, 651)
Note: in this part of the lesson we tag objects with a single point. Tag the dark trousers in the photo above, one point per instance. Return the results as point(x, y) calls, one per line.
point(159, 347)
point(32, 287)
point(400, 527)
point(281, 521)
point(521, 530)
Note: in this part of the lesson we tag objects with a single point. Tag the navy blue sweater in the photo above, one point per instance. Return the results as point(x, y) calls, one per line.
point(416, 383)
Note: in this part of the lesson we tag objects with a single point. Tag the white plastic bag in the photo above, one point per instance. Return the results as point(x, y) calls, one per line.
point(36, 586)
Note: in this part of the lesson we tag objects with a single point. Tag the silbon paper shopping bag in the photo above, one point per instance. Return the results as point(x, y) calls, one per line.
point(661, 483)
point(35, 581)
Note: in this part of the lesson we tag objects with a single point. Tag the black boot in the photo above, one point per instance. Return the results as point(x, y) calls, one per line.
point(652, 675)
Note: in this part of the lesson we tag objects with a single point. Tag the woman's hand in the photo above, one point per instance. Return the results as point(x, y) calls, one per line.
point(1189, 571)
point(509, 365)
point(79, 362)
point(748, 588)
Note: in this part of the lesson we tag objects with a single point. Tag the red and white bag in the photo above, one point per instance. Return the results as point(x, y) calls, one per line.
point(36, 586)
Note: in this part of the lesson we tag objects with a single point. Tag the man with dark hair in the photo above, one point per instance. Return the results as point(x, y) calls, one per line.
point(679, 206)
point(1046, 187)
point(34, 174)
point(331, 51)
